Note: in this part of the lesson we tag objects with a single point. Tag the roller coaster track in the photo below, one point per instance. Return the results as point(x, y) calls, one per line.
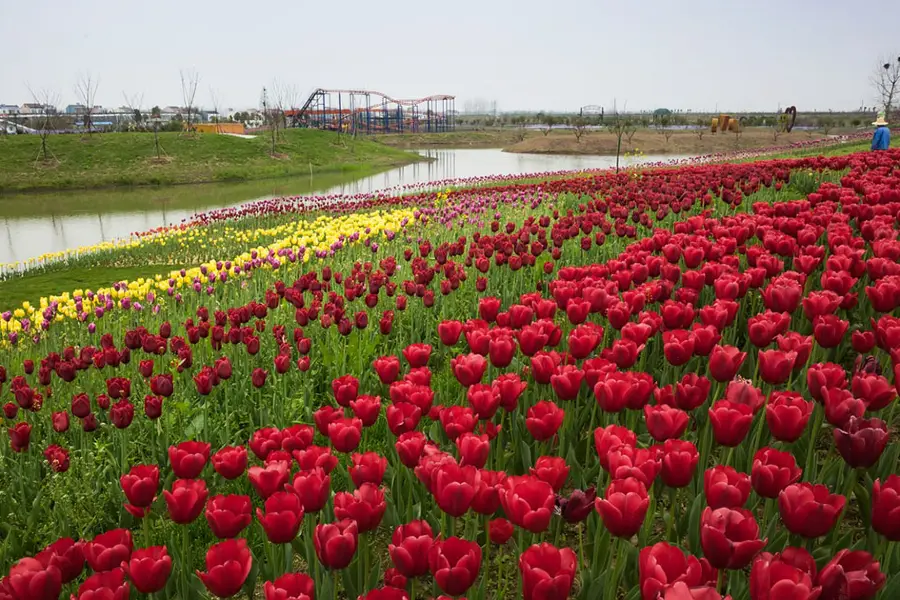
point(380, 99)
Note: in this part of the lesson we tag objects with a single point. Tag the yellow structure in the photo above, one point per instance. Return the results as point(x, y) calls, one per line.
point(219, 128)
point(725, 123)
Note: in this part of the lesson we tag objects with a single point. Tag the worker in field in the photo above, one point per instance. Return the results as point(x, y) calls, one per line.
point(882, 138)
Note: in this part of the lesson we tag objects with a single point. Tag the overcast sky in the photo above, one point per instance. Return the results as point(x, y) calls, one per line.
point(523, 54)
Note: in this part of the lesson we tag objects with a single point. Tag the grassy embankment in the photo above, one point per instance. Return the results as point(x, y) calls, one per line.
point(127, 159)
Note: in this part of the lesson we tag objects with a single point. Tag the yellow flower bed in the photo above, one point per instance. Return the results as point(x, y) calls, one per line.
point(315, 235)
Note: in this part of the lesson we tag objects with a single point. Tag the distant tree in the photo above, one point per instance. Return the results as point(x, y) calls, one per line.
point(856, 122)
point(663, 123)
point(189, 82)
point(579, 126)
point(86, 91)
point(630, 129)
point(700, 128)
point(48, 100)
point(155, 112)
point(826, 124)
point(133, 104)
point(547, 120)
point(618, 125)
point(886, 80)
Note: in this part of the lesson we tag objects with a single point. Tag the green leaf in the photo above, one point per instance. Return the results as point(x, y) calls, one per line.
point(694, 525)
point(196, 426)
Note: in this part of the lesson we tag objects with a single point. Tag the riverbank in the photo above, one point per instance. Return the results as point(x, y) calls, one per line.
point(130, 159)
point(648, 141)
point(602, 143)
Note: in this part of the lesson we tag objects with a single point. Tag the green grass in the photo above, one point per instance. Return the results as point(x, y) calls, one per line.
point(123, 159)
point(33, 286)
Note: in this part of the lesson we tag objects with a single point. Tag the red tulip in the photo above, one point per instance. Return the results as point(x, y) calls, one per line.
point(821, 376)
point(19, 437)
point(726, 487)
point(457, 420)
point(228, 564)
point(468, 368)
point(610, 438)
point(473, 449)
point(729, 537)
point(487, 493)
point(552, 469)
point(188, 459)
point(730, 422)
point(841, 406)
point(499, 531)
point(29, 579)
point(484, 400)
point(230, 462)
point(643, 464)
point(107, 585)
point(678, 346)
point(775, 366)
point(664, 422)
point(65, 554)
point(313, 487)
point(578, 506)
point(809, 510)
point(290, 586)
point(345, 389)
point(455, 564)
point(409, 548)
point(417, 355)
point(663, 565)
point(773, 578)
point(874, 390)
point(861, 441)
point(624, 507)
point(508, 387)
point(387, 368)
point(454, 487)
point(528, 502)
point(335, 543)
point(345, 434)
point(282, 518)
point(149, 569)
point(547, 572)
point(679, 461)
point(787, 414)
point(108, 550)
point(829, 330)
point(853, 575)
point(449, 332)
point(773, 470)
point(186, 500)
point(409, 447)
point(140, 485)
point(228, 515)
point(886, 507)
point(543, 420)
point(366, 409)
point(367, 468)
point(566, 382)
point(365, 505)
point(268, 479)
point(265, 440)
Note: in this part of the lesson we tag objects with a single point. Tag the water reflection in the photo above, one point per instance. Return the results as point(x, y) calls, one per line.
point(41, 223)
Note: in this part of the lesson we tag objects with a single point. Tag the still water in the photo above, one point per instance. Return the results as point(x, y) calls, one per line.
point(35, 224)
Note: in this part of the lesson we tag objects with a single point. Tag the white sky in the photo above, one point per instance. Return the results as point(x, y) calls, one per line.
point(524, 54)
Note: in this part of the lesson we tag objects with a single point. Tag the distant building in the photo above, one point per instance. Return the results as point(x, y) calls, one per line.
point(9, 109)
point(76, 109)
point(37, 109)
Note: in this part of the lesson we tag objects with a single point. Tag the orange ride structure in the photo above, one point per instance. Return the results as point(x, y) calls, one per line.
point(368, 112)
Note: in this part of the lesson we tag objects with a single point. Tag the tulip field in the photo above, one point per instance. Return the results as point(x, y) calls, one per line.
point(663, 384)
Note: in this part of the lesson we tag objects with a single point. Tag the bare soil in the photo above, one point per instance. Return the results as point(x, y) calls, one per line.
point(652, 142)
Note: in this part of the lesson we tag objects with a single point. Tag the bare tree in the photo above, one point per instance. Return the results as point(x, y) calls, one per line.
point(292, 102)
point(86, 92)
point(189, 82)
point(48, 101)
point(133, 104)
point(618, 125)
point(214, 98)
point(579, 126)
point(886, 79)
point(273, 111)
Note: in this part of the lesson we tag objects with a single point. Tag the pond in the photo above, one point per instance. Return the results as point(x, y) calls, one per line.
point(36, 224)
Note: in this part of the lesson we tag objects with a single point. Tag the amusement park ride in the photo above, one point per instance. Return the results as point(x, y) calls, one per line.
point(368, 112)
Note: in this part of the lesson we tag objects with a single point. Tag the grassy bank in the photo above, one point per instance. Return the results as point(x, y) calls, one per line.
point(125, 159)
